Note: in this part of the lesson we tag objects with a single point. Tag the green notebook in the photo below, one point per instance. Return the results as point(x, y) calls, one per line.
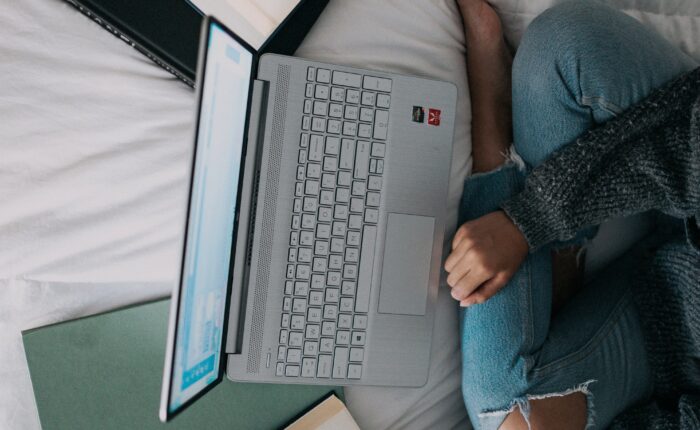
point(105, 372)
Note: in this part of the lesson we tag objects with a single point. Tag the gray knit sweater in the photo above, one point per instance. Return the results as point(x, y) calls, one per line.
point(646, 159)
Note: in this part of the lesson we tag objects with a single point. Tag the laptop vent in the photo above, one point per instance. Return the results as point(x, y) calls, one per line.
point(267, 222)
point(253, 216)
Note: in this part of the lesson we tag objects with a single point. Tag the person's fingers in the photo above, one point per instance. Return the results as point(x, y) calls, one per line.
point(459, 235)
point(454, 260)
point(487, 290)
point(468, 283)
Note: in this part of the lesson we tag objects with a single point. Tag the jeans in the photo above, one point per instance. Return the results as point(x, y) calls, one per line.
point(579, 64)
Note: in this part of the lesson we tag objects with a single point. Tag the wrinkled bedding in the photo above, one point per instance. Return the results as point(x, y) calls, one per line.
point(94, 147)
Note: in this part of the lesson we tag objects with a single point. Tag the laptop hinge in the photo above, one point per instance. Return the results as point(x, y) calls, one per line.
point(246, 222)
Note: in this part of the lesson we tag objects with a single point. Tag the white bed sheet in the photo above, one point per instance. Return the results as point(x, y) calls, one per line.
point(94, 148)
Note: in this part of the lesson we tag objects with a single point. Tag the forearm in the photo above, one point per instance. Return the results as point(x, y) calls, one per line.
point(648, 158)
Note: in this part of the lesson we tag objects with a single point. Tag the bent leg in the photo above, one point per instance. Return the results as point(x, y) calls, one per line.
point(579, 64)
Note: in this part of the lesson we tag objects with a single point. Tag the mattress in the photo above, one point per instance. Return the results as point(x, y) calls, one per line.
point(95, 143)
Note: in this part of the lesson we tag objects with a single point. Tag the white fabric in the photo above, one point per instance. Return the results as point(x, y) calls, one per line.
point(94, 148)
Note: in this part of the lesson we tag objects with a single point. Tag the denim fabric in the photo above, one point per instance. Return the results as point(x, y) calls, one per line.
point(579, 64)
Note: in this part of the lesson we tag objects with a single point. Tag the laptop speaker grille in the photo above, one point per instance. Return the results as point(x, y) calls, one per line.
point(267, 226)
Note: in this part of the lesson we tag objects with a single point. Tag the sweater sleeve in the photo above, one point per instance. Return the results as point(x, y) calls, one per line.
point(647, 158)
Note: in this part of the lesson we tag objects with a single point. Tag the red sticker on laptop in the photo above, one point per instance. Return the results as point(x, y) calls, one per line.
point(434, 116)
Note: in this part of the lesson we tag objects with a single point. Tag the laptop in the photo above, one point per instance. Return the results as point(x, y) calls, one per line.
point(167, 31)
point(315, 222)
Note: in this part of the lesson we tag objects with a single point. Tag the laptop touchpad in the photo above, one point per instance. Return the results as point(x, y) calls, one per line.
point(407, 255)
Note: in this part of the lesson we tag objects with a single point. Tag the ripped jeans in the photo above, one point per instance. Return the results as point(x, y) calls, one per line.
point(579, 64)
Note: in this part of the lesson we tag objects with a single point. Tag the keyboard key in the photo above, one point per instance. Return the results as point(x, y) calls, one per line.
point(321, 92)
point(284, 336)
point(338, 229)
point(304, 142)
point(308, 368)
point(323, 76)
point(314, 314)
point(333, 126)
point(326, 197)
point(353, 238)
point(299, 306)
point(307, 221)
point(346, 79)
point(340, 212)
point(290, 270)
point(381, 124)
point(371, 216)
point(357, 354)
point(335, 262)
point(328, 180)
point(368, 98)
point(345, 178)
point(305, 123)
point(310, 73)
point(299, 187)
point(315, 299)
point(323, 231)
point(374, 183)
point(318, 281)
point(311, 187)
point(292, 256)
point(320, 108)
point(294, 238)
point(311, 203)
point(295, 338)
point(287, 304)
point(352, 255)
point(358, 338)
point(304, 255)
point(340, 362)
point(285, 321)
point(342, 337)
point(324, 366)
point(291, 370)
point(364, 130)
point(356, 204)
point(319, 124)
point(332, 145)
point(333, 279)
point(345, 320)
point(332, 295)
point(342, 195)
point(282, 353)
point(301, 289)
point(350, 271)
point(354, 371)
point(326, 344)
point(306, 238)
point(380, 167)
point(373, 199)
point(366, 115)
point(293, 355)
point(311, 348)
point(378, 149)
point(328, 328)
point(348, 288)
point(309, 90)
point(352, 96)
point(346, 305)
point(321, 247)
point(320, 264)
point(358, 188)
point(338, 94)
point(313, 331)
point(330, 164)
point(337, 243)
point(330, 312)
point(336, 111)
point(297, 322)
point(364, 281)
point(307, 107)
point(349, 128)
point(383, 101)
point(359, 322)
point(376, 84)
point(362, 159)
point(324, 215)
point(347, 154)
point(351, 112)
point(300, 173)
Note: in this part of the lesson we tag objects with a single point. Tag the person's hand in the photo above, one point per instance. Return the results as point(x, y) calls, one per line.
point(485, 254)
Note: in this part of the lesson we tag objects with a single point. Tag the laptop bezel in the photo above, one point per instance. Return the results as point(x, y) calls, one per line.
point(168, 374)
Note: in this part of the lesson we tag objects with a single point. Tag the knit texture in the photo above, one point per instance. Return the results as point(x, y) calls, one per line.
point(646, 159)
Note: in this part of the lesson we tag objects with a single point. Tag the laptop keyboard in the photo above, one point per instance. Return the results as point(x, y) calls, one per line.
point(338, 191)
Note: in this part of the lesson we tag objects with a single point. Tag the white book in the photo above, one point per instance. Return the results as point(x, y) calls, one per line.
point(330, 414)
point(253, 20)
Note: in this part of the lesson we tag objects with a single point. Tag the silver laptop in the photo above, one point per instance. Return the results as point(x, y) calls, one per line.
point(316, 215)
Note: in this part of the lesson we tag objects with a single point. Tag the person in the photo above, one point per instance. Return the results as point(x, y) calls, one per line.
point(604, 117)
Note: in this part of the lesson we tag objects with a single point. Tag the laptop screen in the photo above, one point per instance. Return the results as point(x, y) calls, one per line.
point(211, 217)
